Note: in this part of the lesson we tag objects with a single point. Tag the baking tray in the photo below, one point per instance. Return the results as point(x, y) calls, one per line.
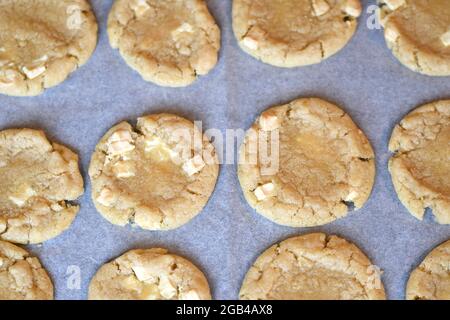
point(363, 78)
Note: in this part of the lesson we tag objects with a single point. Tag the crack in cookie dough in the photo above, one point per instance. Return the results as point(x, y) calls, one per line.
point(312, 267)
point(37, 179)
point(420, 167)
point(149, 274)
point(418, 33)
point(290, 33)
point(431, 279)
point(42, 42)
point(324, 163)
point(21, 276)
point(168, 42)
point(158, 177)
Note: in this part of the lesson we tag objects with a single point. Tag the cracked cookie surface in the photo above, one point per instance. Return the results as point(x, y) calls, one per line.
point(22, 276)
point(290, 33)
point(42, 42)
point(418, 34)
point(149, 274)
point(168, 42)
point(302, 163)
point(313, 267)
point(158, 176)
point(420, 167)
point(37, 179)
point(431, 279)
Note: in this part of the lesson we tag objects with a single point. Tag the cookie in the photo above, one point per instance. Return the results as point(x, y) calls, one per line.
point(420, 167)
point(431, 279)
point(302, 164)
point(38, 178)
point(294, 33)
point(149, 274)
point(158, 176)
point(169, 43)
point(313, 267)
point(22, 276)
point(42, 42)
point(418, 33)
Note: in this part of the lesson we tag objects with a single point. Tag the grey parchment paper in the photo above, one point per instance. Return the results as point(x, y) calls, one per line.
point(364, 79)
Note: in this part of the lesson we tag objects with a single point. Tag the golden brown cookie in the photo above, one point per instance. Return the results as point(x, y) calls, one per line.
point(157, 176)
point(169, 42)
point(149, 274)
point(431, 279)
point(420, 167)
point(42, 42)
point(38, 178)
point(21, 276)
point(291, 33)
point(302, 163)
point(313, 267)
point(418, 33)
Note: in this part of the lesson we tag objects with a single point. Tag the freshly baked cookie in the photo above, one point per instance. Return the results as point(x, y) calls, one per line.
point(37, 179)
point(431, 279)
point(313, 267)
point(418, 33)
point(420, 167)
point(303, 163)
point(42, 42)
point(149, 274)
point(291, 33)
point(159, 176)
point(21, 276)
point(168, 42)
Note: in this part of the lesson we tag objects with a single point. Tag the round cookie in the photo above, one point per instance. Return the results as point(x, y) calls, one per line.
point(420, 167)
point(158, 176)
point(291, 33)
point(168, 42)
point(303, 163)
point(42, 42)
point(21, 276)
point(37, 179)
point(149, 274)
point(418, 33)
point(313, 267)
point(431, 279)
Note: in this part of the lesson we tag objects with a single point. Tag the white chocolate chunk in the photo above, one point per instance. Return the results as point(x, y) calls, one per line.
point(394, 4)
point(3, 163)
point(269, 121)
point(124, 169)
point(185, 27)
point(141, 273)
point(190, 295)
point(160, 150)
point(445, 38)
point(121, 135)
point(140, 7)
point(106, 197)
point(265, 191)
point(22, 195)
point(351, 196)
point(56, 207)
point(150, 292)
point(391, 34)
point(353, 8)
point(120, 147)
point(194, 165)
point(320, 7)
point(33, 73)
point(167, 289)
point(1, 262)
point(249, 43)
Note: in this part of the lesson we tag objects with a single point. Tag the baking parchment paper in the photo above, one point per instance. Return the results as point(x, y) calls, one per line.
point(364, 79)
